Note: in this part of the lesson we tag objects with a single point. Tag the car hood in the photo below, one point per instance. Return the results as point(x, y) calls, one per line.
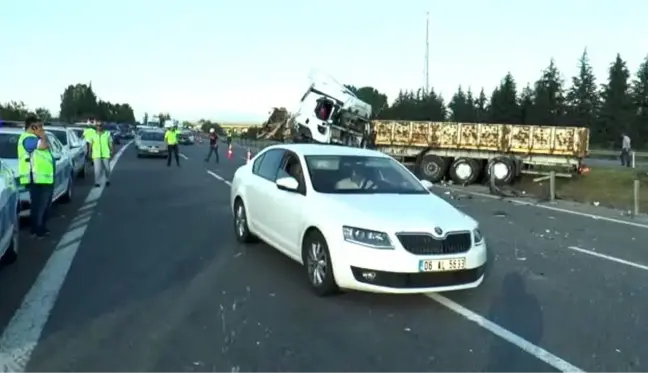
point(397, 212)
point(157, 144)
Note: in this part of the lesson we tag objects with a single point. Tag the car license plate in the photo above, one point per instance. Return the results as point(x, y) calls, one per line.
point(442, 265)
point(154, 150)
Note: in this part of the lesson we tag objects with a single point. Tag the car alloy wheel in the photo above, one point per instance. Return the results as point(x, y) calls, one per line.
point(241, 229)
point(317, 264)
point(240, 221)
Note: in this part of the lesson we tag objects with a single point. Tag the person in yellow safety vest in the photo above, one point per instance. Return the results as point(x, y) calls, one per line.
point(101, 146)
point(36, 170)
point(171, 139)
point(87, 134)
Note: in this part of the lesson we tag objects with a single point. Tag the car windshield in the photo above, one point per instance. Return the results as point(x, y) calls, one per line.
point(79, 132)
point(152, 136)
point(361, 175)
point(9, 145)
point(60, 135)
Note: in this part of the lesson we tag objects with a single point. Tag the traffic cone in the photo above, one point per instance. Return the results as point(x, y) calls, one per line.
point(248, 156)
point(229, 152)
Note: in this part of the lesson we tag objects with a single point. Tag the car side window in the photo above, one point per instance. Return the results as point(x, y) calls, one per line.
point(257, 164)
point(270, 164)
point(74, 140)
point(292, 166)
point(55, 145)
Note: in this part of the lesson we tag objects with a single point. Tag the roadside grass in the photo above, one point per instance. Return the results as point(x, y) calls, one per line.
point(609, 187)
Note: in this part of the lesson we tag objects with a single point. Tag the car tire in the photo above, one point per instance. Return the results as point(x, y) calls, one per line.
point(317, 265)
point(433, 168)
point(243, 234)
point(69, 192)
point(11, 255)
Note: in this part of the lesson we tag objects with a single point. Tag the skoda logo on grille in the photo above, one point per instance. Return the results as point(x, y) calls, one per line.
point(438, 230)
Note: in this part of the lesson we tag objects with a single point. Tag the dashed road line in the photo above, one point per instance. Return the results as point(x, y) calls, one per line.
point(530, 348)
point(609, 257)
point(23, 332)
point(183, 156)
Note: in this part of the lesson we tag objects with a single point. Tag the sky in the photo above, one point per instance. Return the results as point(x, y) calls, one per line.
point(232, 61)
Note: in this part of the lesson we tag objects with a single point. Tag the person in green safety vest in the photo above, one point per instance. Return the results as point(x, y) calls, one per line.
point(101, 148)
point(88, 132)
point(171, 139)
point(36, 170)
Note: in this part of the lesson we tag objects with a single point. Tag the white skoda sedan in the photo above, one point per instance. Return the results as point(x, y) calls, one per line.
point(356, 219)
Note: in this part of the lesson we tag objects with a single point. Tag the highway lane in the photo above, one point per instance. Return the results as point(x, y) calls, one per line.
point(159, 283)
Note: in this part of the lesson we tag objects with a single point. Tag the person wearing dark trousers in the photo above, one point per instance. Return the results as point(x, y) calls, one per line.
point(171, 139)
point(213, 145)
point(626, 151)
point(36, 170)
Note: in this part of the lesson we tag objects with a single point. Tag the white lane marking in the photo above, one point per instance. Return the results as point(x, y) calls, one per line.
point(183, 156)
point(23, 332)
point(534, 350)
point(217, 176)
point(508, 336)
point(552, 208)
point(609, 257)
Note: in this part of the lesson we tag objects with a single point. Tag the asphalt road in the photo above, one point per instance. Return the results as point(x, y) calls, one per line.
point(150, 278)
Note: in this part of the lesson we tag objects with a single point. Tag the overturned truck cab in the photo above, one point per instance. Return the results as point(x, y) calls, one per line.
point(330, 113)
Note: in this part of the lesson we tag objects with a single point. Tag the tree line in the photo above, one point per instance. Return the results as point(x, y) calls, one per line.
point(617, 106)
point(78, 103)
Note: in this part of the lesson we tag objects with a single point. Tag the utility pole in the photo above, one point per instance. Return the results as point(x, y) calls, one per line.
point(426, 67)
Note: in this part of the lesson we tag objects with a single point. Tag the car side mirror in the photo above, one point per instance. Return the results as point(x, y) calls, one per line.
point(288, 183)
point(427, 184)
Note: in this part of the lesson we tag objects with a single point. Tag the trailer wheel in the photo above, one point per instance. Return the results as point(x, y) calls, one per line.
point(503, 169)
point(464, 171)
point(433, 168)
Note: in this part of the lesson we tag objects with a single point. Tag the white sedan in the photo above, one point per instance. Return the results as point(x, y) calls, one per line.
point(356, 219)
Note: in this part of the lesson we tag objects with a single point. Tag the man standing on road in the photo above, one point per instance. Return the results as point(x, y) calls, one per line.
point(87, 135)
point(171, 139)
point(213, 145)
point(625, 151)
point(36, 172)
point(102, 151)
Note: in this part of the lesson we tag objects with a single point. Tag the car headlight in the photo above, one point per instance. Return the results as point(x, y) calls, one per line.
point(366, 237)
point(477, 236)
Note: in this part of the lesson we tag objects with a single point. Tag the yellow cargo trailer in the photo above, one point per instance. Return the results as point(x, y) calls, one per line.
point(464, 151)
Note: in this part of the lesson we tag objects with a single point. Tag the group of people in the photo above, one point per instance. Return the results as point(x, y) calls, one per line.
point(37, 167)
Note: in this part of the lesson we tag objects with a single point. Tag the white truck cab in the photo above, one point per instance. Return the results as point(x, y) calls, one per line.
point(329, 113)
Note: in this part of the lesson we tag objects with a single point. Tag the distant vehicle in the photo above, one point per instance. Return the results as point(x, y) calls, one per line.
point(9, 225)
point(73, 145)
point(64, 178)
point(186, 137)
point(150, 143)
point(356, 219)
point(126, 131)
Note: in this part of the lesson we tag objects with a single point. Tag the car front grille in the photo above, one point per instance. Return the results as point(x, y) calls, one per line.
point(426, 244)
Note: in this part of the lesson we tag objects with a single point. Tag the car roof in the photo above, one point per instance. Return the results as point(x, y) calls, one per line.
point(56, 128)
point(322, 149)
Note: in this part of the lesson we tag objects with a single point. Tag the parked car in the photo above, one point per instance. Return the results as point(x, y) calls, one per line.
point(74, 146)
point(9, 224)
point(63, 179)
point(356, 219)
point(150, 143)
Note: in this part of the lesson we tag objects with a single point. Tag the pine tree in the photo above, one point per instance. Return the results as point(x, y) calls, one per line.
point(583, 98)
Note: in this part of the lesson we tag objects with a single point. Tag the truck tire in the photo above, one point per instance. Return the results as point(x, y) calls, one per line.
point(503, 170)
point(464, 171)
point(433, 168)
